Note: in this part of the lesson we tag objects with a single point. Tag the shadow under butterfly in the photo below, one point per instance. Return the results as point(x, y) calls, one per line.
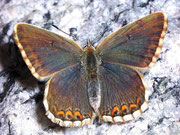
point(110, 68)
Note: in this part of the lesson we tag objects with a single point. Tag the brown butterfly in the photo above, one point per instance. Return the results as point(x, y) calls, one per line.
point(111, 68)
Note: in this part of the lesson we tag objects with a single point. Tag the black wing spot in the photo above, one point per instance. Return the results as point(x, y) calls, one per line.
point(52, 43)
point(128, 36)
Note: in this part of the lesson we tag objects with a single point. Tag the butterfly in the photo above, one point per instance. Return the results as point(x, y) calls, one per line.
point(72, 72)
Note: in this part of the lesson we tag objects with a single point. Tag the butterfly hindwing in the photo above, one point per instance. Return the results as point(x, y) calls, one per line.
point(137, 44)
point(123, 94)
point(45, 52)
point(66, 98)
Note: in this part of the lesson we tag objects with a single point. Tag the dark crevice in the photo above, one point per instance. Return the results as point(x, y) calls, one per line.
point(9, 125)
point(133, 3)
point(116, 17)
point(4, 31)
point(55, 3)
point(146, 4)
point(164, 82)
point(124, 23)
point(7, 86)
point(47, 16)
point(14, 67)
point(7, 1)
point(37, 97)
point(73, 33)
point(155, 124)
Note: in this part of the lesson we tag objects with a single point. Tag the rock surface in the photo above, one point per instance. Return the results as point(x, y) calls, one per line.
point(21, 108)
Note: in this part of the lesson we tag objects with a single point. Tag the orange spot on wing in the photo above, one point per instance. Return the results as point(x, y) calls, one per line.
point(78, 115)
point(115, 110)
point(138, 101)
point(69, 113)
point(132, 106)
point(55, 109)
point(60, 113)
point(124, 107)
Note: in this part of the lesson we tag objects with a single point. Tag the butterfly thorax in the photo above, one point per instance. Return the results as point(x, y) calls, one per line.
point(91, 61)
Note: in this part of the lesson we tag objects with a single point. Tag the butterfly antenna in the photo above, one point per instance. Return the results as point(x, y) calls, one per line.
point(71, 35)
point(89, 43)
point(60, 30)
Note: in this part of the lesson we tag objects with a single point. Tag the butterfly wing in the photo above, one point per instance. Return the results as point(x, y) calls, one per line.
point(49, 55)
point(137, 44)
point(45, 52)
point(66, 98)
point(123, 94)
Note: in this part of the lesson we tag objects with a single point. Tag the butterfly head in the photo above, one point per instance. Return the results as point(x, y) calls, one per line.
point(89, 46)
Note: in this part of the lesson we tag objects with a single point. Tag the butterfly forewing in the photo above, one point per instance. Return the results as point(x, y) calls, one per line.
point(137, 44)
point(45, 52)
